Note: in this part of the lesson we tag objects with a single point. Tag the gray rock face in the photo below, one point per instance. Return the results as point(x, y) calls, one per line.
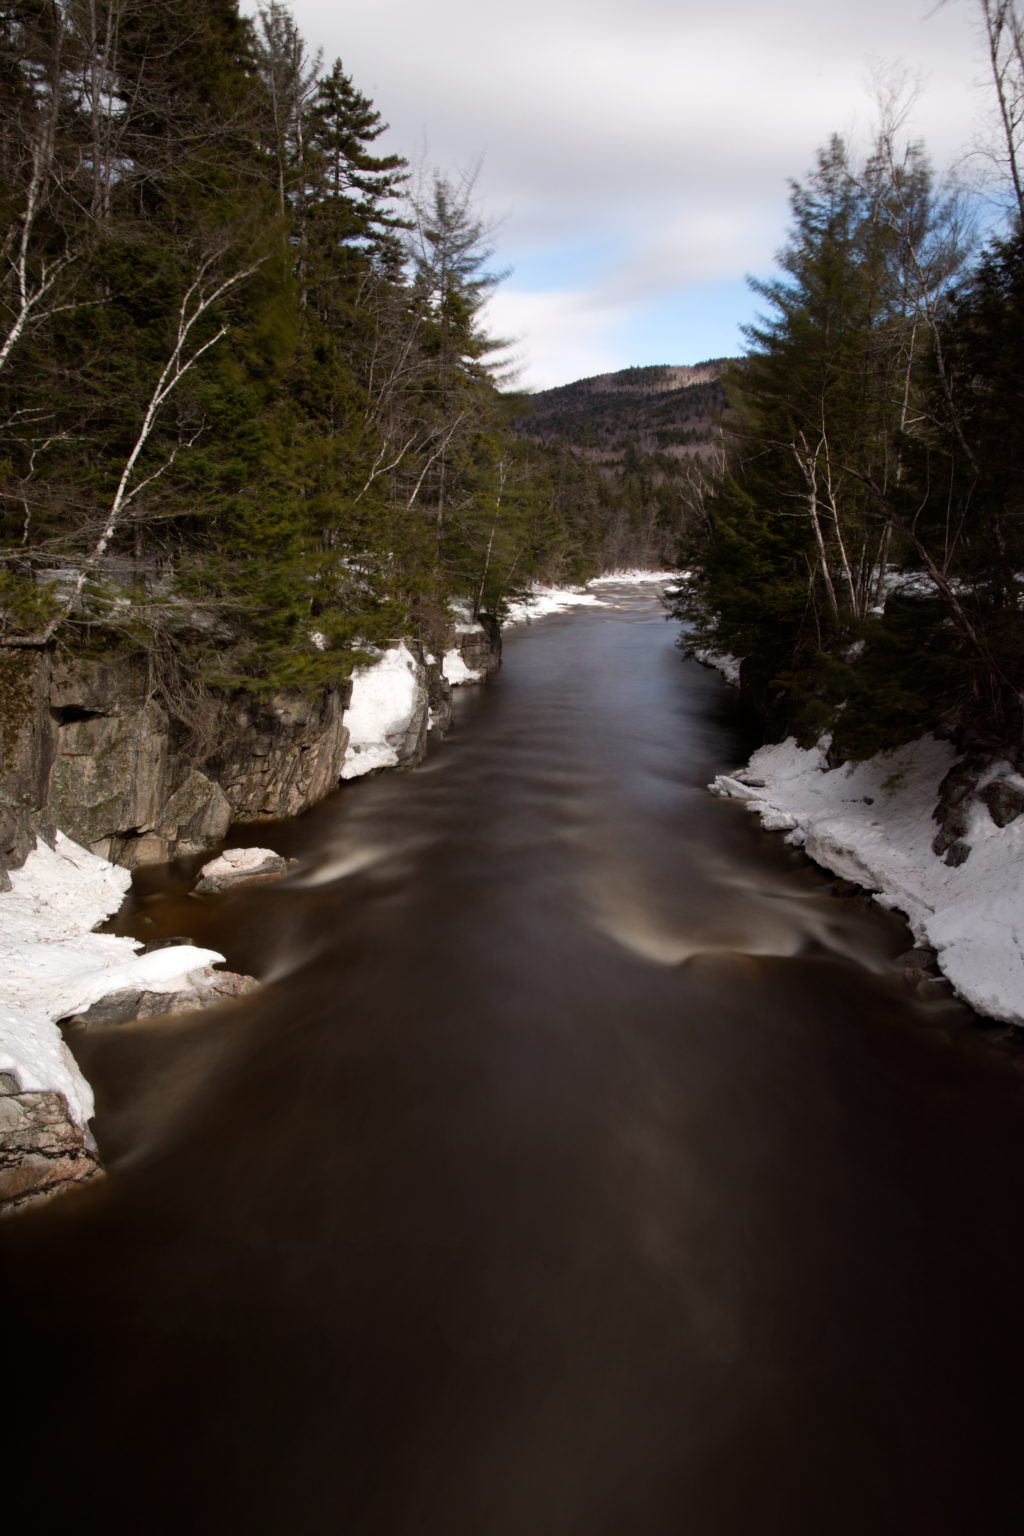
point(42, 1150)
point(28, 739)
point(439, 698)
point(480, 648)
point(411, 744)
point(110, 776)
point(920, 956)
point(279, 758)
point(87, 747)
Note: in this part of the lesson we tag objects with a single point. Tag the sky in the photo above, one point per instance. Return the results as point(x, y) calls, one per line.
point(635, 158)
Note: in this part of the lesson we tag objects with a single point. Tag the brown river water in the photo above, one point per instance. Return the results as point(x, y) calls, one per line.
point(583, 1169)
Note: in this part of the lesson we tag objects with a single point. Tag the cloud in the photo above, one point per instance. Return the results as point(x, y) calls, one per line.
point(556, 336)
point(661, 135)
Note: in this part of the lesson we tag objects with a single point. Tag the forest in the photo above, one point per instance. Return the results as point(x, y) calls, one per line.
point(863, 544)
point(251, 418)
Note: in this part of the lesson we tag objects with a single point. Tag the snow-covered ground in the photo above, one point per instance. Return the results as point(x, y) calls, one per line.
point(635, 578)
point(871, 823)
point(542, 600)
point(52, 965)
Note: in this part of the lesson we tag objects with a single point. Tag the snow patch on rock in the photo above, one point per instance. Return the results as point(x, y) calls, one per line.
point(52, 965)
point(454, 667)
point(385, 698)
point(720, 661)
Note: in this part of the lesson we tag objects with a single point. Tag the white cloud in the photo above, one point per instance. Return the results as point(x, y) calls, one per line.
point(556, 336)
point(668, 128)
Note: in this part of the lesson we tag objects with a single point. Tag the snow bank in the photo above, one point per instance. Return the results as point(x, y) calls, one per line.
point(721, 661)
point(540, 601)
point(385, 697)
point(51, 965)
point(871, 822)
point(544, 600)
point(634, 578)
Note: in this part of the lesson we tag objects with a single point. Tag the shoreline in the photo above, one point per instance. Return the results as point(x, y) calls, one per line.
point(55, 966)
point(872, 823)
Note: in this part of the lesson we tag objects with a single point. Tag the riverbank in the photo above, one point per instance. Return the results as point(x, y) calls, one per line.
point(54, 966)
point(570, 1088)
point(873, 823)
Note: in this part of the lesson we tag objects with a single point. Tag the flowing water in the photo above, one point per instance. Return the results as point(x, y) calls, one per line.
point(582, 1170)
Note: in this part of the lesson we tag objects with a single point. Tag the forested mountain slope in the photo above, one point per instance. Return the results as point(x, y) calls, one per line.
point(671, 410)
point(636, 445)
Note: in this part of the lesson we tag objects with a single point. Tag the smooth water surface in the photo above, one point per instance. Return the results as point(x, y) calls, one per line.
point(582, 1170)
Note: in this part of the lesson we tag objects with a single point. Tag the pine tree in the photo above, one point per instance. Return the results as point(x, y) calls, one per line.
point(357, 189)
point(816, 499)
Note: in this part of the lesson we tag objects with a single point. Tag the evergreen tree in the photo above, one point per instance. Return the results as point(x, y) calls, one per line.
point(815, 500)
point(356, 188)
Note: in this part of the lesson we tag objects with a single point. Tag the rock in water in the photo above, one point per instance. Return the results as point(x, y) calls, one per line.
point(42, 1151)
point(208, 988)
point(237, 864)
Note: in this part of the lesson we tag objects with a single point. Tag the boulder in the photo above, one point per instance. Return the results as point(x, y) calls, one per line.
point(42, 1150)
point(148, 849)
point(920, 957)
point(236, 865)
point(207, 989)
point(1005, 801)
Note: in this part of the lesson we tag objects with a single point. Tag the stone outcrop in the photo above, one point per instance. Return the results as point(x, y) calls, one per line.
point(1005, 801)
point(439, 698)
point(279, 757)
point(479, 644)
point(88, 747)
point(42, 1151)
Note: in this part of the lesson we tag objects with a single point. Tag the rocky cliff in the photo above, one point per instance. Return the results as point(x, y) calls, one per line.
point(89, 746)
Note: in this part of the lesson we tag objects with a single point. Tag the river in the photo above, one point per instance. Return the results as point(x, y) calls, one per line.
point(583, 1169)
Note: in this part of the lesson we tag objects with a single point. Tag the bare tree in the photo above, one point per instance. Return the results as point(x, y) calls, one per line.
point(210, 284)
point(1004, 37)
point(36, 251)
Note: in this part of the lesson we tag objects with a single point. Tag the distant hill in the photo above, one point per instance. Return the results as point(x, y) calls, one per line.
point(668, 410)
